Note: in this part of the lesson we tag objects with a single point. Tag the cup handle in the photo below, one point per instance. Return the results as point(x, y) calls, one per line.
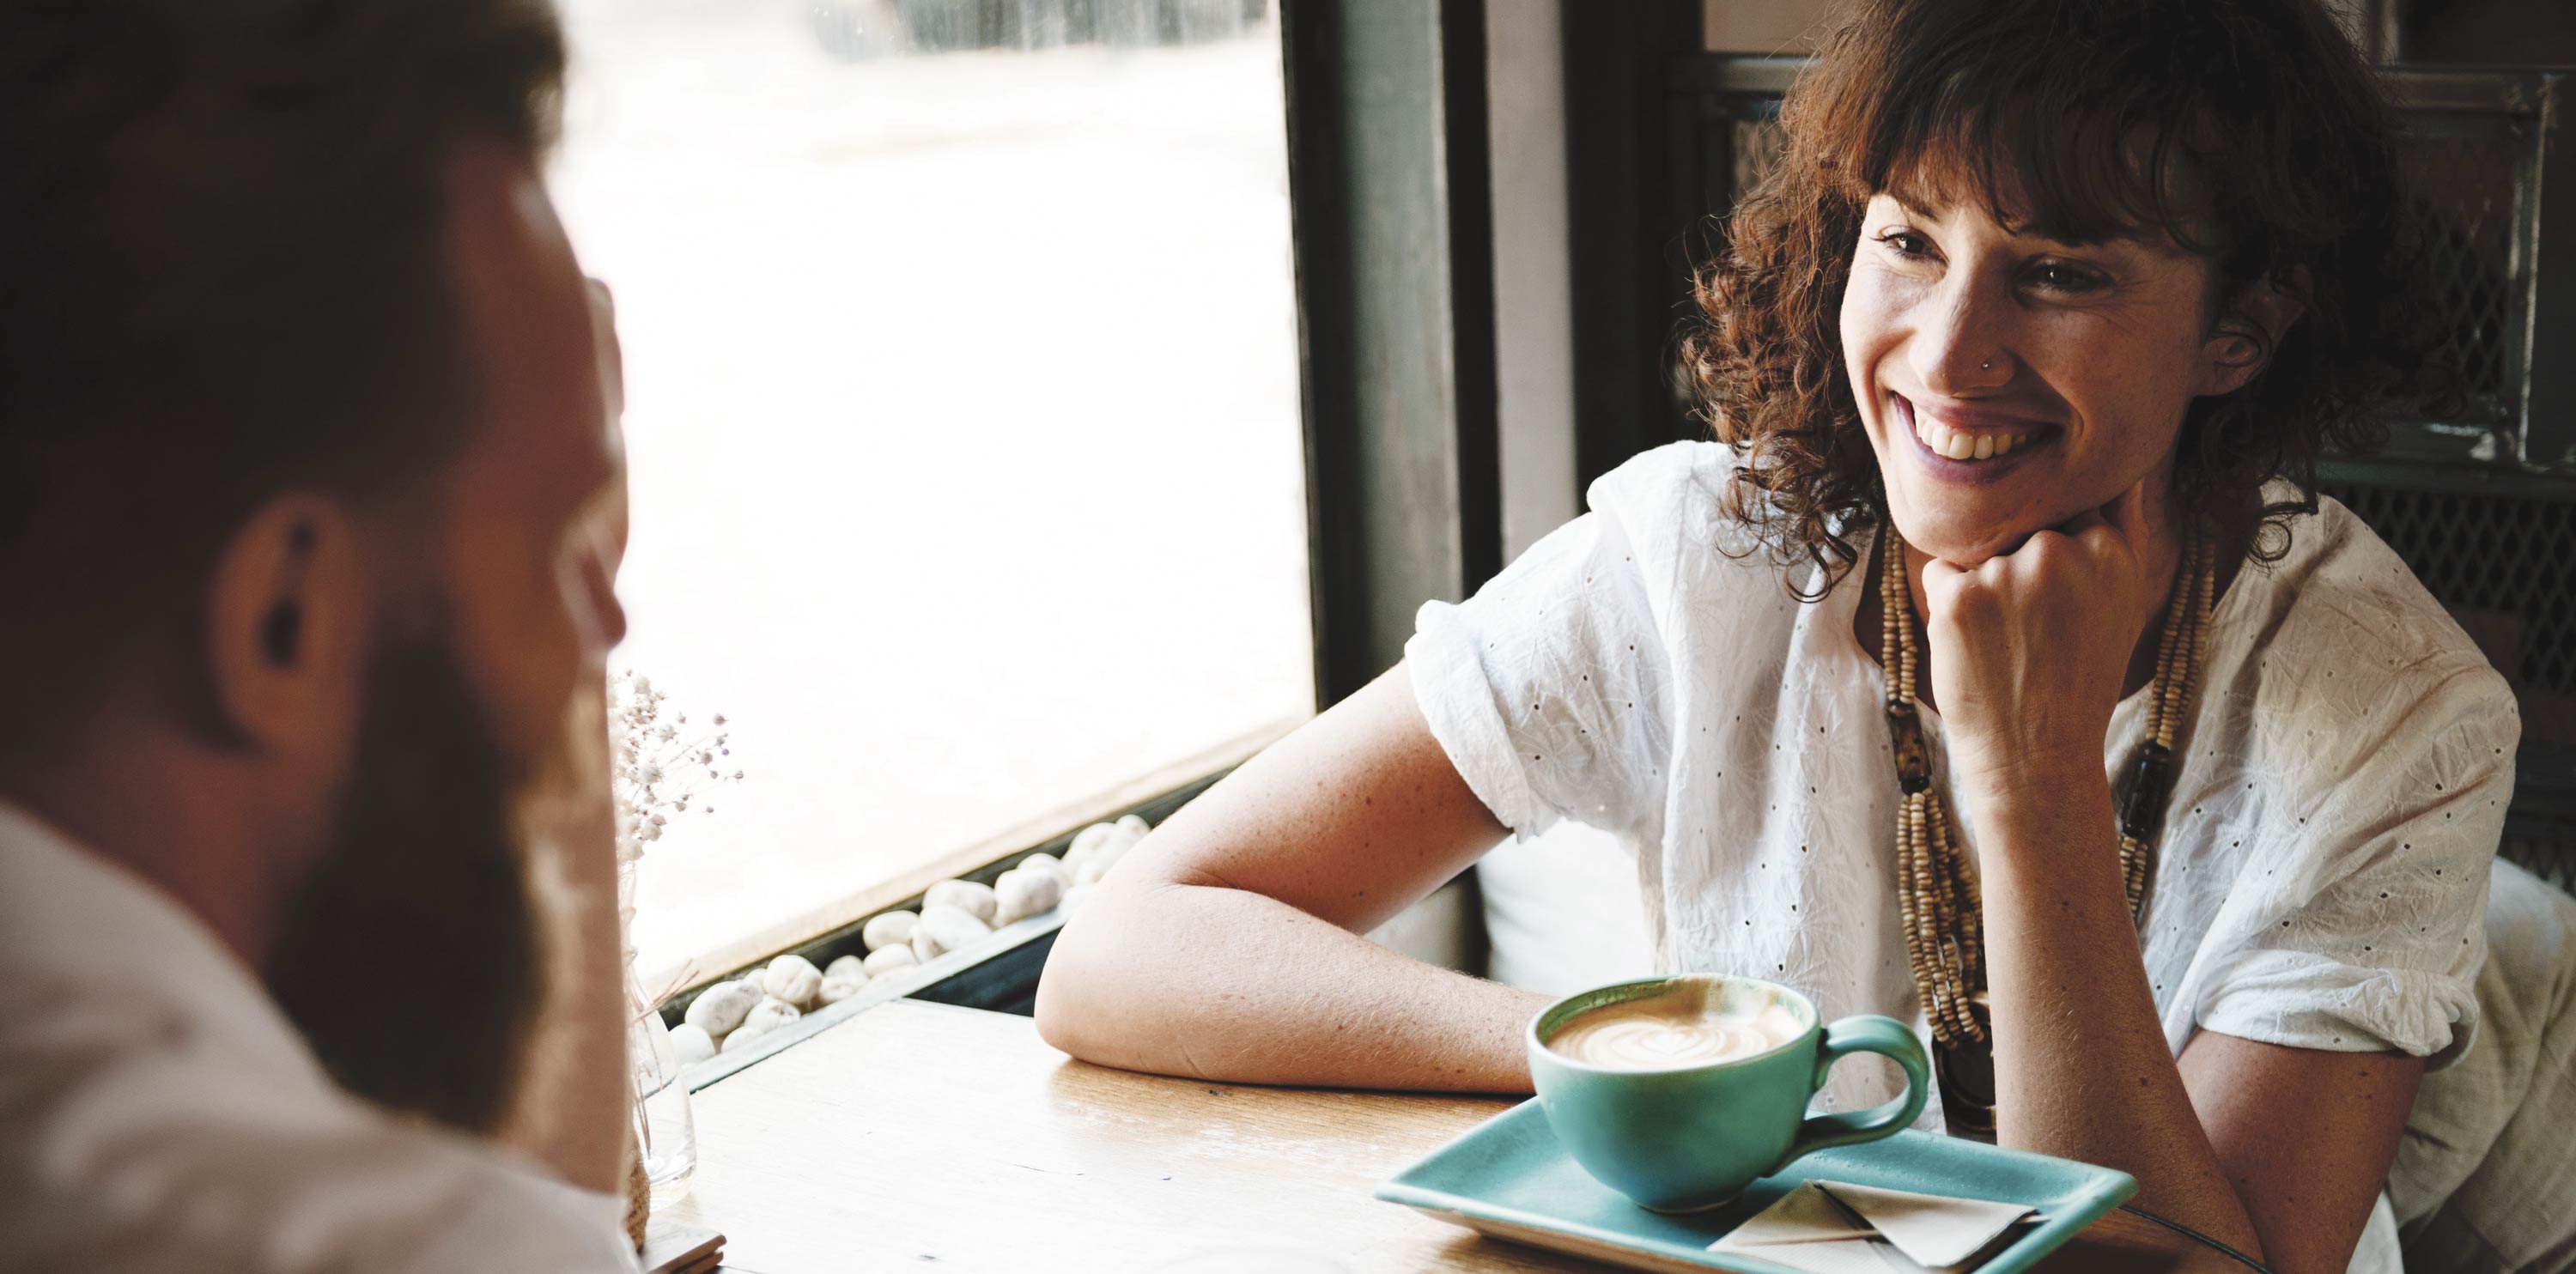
point(1865, 1033)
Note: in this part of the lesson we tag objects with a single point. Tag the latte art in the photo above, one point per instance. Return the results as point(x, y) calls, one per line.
point(1692, 1025)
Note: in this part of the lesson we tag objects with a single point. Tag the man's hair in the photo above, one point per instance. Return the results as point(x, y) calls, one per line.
point(2247, 130)
point(222, 277)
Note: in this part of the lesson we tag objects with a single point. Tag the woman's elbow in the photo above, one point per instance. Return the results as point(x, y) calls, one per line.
point(1059, 1008)
point(1062, 988)
point(1080, 989)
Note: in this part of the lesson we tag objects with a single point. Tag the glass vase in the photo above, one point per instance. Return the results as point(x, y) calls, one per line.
point(666, 1133)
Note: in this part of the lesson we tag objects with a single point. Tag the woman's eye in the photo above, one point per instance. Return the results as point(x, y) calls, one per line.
point(1905, 243)
point(2064, 278)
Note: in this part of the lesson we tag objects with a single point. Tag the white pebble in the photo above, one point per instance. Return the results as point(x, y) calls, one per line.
point(836, 990)
point(1112, 852)
point(769, 1015)
point(1088, 839)
point(848, 966)
point(691, 1043)
point(765, 1017)
point(888, 930)
point(1025, 893)
point(1048, 863)
point(1098, 840)
point(793, 979)
point(721, 1008)
point(945, 929)
point(965, 895)
point(1136, 824)
point(881, 963)
point(1092, 860)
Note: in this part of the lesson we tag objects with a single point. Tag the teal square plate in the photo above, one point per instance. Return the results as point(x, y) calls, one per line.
point(1508, 1177)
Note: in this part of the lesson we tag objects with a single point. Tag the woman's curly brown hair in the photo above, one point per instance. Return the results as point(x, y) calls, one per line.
point(2094, 114)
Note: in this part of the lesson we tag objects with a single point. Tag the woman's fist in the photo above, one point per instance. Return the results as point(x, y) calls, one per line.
point(2030, 649)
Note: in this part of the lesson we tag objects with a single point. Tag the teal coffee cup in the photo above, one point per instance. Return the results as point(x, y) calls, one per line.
point(1679, 1091)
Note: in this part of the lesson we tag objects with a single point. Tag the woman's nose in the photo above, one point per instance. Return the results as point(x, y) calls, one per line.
point(1963, 337)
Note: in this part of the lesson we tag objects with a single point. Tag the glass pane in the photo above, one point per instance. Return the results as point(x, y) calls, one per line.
point(963, 419)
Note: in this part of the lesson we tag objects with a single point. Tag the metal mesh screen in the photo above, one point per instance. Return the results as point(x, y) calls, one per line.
point(2506, 568)
point(2463, 195)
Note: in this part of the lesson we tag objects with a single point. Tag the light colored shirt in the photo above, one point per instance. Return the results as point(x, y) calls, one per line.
point(159, 1113)
point(2322, 872)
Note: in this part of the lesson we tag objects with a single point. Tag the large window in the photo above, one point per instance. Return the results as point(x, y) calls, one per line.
point(963, 422)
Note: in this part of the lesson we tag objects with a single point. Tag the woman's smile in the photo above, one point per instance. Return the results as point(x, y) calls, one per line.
point(1957, 443)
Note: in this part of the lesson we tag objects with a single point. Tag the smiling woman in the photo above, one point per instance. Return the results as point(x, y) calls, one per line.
point(2169, 234)
point(2149, 786)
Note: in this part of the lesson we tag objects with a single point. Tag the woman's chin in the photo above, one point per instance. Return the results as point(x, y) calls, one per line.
point(1959, 541)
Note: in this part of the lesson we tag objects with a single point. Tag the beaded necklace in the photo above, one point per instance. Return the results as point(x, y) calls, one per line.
point(1936, 897)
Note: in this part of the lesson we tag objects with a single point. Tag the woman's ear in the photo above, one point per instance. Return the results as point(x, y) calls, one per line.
point(283, 635)
point(2249, 328)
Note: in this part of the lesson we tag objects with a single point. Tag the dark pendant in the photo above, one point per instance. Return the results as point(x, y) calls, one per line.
point(2142, 811)
point(1913, 760)
point(1967, 1077)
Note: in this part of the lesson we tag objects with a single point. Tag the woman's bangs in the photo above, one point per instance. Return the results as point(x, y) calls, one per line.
point(2030, 155)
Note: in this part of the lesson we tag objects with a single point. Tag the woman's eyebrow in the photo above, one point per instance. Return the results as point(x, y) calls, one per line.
point(2138, 238)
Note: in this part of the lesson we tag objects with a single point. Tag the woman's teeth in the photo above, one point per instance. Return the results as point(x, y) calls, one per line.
point(1959, 444)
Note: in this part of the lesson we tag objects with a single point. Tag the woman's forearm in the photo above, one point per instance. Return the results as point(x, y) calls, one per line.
point(1230, 985)
point(2082, 1069)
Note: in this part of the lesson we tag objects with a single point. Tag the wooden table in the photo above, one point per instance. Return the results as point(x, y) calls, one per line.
point(919, 1136)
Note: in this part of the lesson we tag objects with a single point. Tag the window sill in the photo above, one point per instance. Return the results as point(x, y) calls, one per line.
point(999, 974)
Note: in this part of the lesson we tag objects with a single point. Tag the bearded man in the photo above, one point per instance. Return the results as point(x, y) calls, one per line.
point(310, 503)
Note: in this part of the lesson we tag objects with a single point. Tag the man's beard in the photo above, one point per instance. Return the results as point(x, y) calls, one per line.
point(411, 957)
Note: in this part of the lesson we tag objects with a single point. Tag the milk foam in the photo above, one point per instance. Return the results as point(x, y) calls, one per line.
point(1696, 1023)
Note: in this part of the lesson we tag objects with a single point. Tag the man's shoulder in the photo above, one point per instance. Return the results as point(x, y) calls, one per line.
point(83, 932)
point(132, 1126)
point(158, 1111)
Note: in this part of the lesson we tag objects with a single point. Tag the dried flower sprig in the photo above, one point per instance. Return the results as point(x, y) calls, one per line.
point(662, 768)
point(659, 770)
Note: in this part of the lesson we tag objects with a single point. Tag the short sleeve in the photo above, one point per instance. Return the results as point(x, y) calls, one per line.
point(1548, 689)
point(2365, 927)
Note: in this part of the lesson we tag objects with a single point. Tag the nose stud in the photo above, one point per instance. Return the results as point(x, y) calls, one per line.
point(1985, 367)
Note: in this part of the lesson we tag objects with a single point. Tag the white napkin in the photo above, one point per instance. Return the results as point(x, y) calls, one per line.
point(1834, 1227)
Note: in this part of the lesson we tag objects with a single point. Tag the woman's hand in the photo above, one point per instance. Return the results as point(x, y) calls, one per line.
point(2030, 649)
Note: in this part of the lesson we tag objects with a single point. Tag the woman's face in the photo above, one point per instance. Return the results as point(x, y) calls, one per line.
point(2010, 382)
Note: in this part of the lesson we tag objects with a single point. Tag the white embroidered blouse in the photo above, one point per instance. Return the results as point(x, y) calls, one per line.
point(2323, 867)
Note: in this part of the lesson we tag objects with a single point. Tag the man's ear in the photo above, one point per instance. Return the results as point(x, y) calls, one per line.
point(285, 621)
point(2249, 329)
